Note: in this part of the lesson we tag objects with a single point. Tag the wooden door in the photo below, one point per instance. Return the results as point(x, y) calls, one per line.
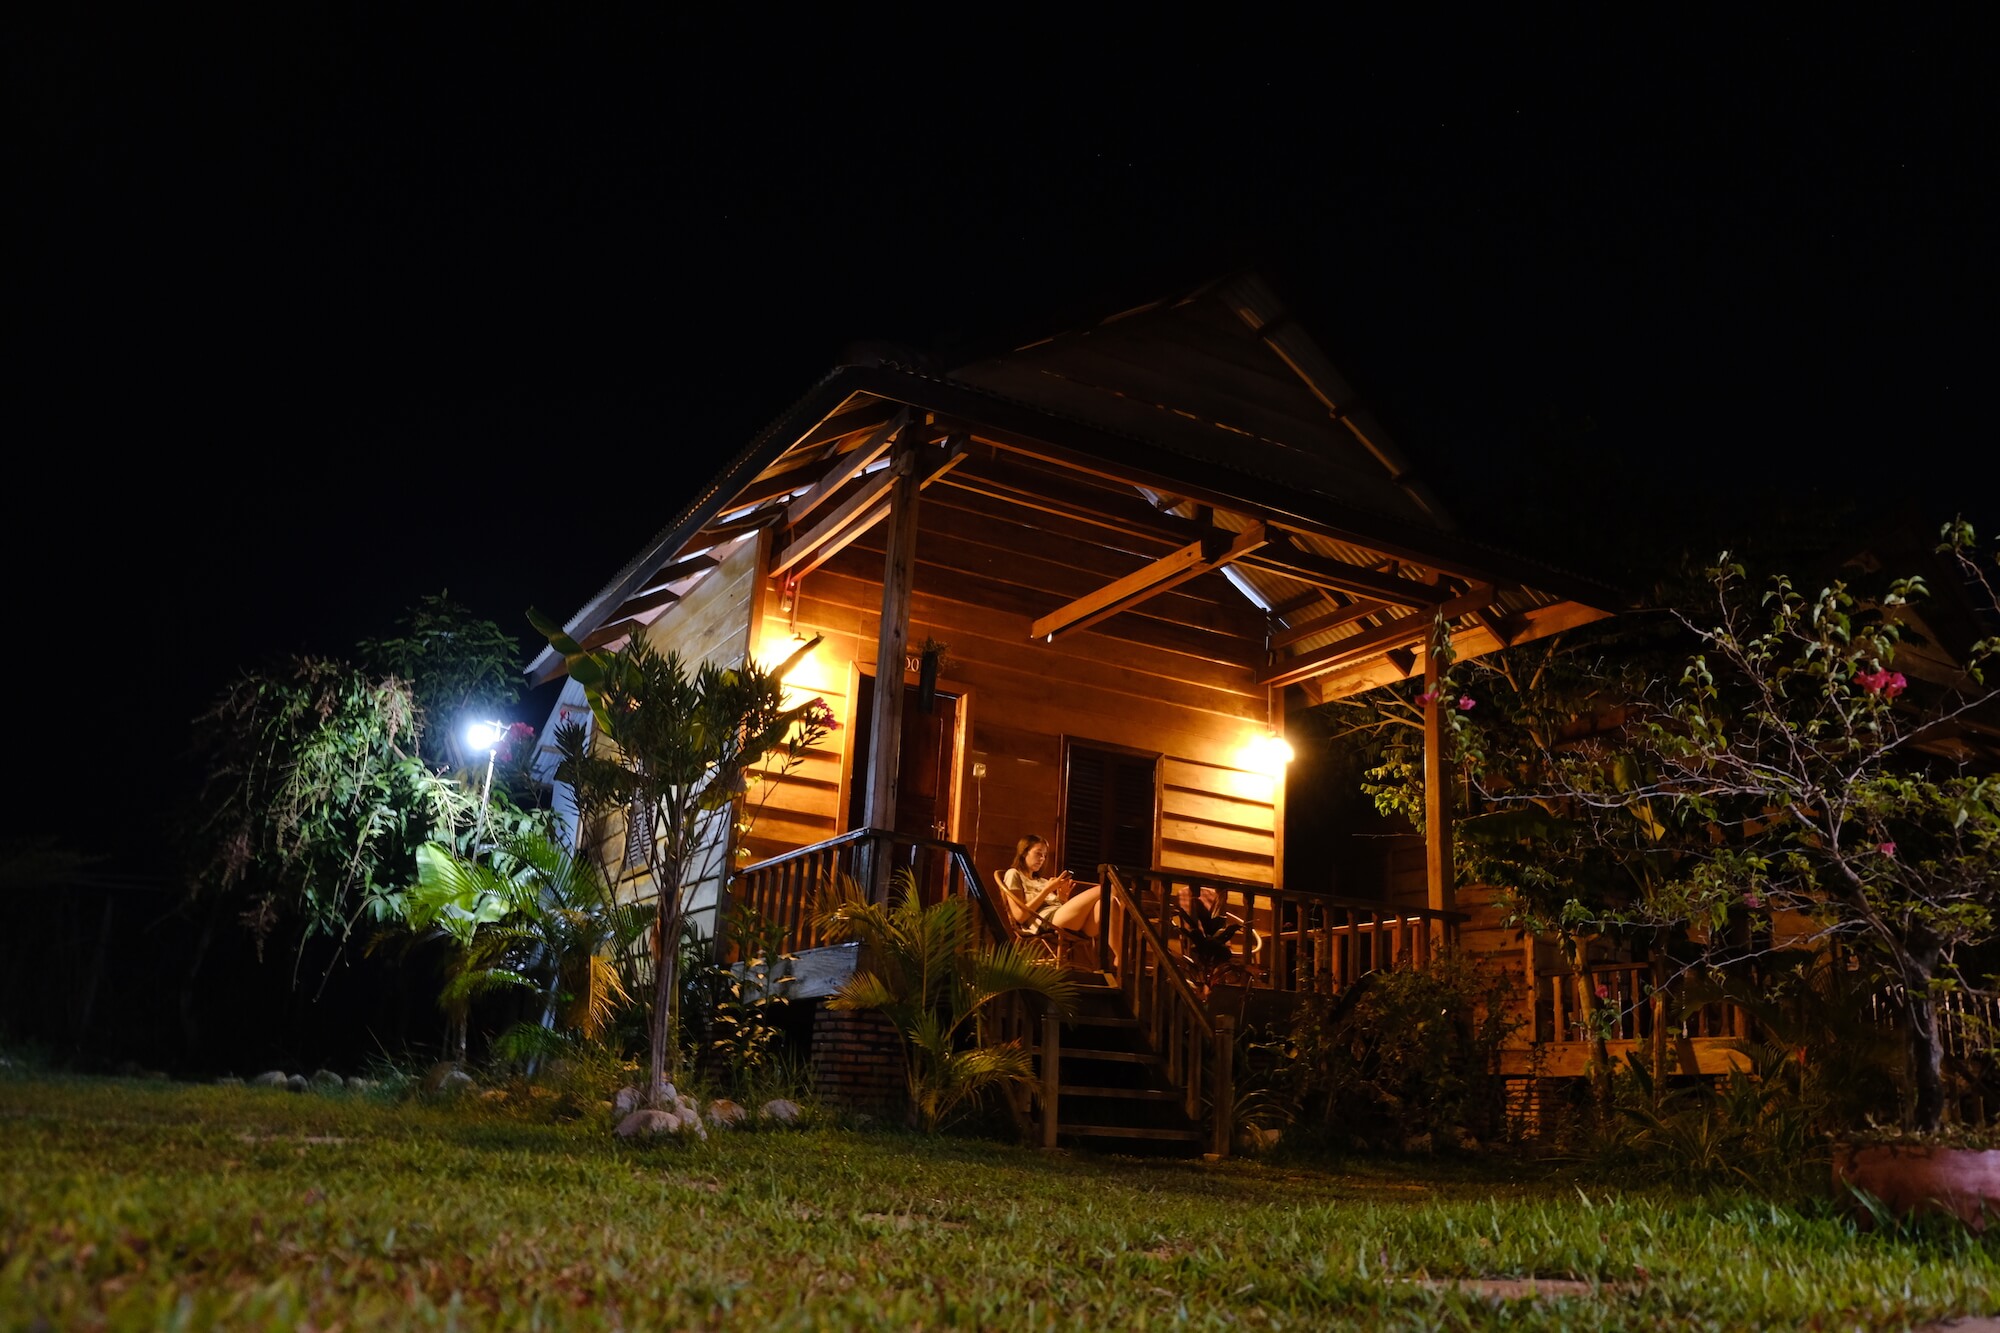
point(926, 772)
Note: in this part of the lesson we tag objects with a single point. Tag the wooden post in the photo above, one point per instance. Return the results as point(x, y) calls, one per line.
point(1051, 1075)
point(899, 565)
point(1225, 1084)
point(1439, 875)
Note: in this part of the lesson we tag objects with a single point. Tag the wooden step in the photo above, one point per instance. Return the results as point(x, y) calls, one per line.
point(1102, 1020)
point(1126, 1057)
point(1130, 1132)
point(1127, 1094)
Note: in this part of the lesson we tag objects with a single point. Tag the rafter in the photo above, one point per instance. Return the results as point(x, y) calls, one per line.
point(862, 510)
point(844, 467)
point(1191, 561)
point(676, 572)
point(864, 499)
point(1292, 562)
point(645, 602)
point(1341, 615)
point(606, 635)
point(1398, 633)
point(1125, 513)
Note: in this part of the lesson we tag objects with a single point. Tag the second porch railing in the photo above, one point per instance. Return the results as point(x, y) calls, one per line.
point(1294, 941)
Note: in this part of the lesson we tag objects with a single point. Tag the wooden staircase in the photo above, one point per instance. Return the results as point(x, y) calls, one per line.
point(1102, 1085)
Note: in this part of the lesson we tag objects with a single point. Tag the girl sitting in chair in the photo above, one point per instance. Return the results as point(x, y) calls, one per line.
point(1054, 902)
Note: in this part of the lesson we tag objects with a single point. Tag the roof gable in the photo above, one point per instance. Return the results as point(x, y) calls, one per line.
point(1224, 376)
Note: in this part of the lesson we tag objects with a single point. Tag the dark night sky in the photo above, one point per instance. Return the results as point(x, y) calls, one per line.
point(315, 312)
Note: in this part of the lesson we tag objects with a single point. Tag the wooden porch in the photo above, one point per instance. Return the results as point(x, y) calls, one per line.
point(1148, 1058)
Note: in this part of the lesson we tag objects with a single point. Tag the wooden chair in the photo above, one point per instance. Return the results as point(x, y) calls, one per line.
point(1054, 942)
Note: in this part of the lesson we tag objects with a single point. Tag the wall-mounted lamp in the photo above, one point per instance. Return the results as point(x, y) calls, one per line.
point(1270, 753)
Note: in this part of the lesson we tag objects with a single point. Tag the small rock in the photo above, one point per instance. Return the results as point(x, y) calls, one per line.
point(627, 1100)
point(781, 1109)
point(557, 1071)
point(724, 1113)
point(356, 1083)
point(270, 1078)
point(1418, 1143)
point(325, 1080)
point(229, 1081)
point(646, 1121)
point(296, 1083)
point(1259, 1138)
point(445, 1077)
point(495, 1095)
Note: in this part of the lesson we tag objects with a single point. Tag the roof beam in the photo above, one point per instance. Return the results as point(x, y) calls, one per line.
point(1341, 615)
point(1398, 633)
point(644, 602)
point(862, 510)
point(1121, 511)
point(865, 498)
point(844, 467)
point(674, 573)
point(609, 634)
point(872, 412)
point(1293, 563)
point(1191, 561)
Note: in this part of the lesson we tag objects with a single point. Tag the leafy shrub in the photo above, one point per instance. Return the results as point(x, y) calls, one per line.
point(738, 1011)
point(1399, 1055)
point(1760, 1125)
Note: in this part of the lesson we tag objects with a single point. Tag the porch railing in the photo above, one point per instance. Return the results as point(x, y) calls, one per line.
point(785, 890)
point(1621, 1002)
point(1295, 941)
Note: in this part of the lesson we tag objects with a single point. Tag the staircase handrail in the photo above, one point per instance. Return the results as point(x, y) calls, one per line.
point(1157, 948)
point(1195, 1052)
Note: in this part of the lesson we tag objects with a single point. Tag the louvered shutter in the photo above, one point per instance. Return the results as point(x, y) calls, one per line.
point(1083, 812)
point(1108, 811)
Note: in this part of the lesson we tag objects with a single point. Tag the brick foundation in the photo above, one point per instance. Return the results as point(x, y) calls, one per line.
point(857, 1062)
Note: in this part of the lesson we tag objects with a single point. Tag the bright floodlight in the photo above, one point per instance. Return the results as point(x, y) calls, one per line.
point(484, 735)
point(1270, 753)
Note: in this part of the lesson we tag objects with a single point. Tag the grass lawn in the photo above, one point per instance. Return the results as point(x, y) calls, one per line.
point(149, 1205)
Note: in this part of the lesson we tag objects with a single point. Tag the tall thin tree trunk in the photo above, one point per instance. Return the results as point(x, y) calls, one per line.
point(1659, 999)
point(88, 1000)
point(1926, 1058)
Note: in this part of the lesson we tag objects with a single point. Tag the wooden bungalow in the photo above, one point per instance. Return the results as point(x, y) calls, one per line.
point(1101, 567)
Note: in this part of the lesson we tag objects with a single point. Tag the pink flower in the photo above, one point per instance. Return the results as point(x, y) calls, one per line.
point(1427, 698)
point(1888, 684)
point(1465, 703)
point(1752, 901)
point(1887, 849)
point(1603, 991)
